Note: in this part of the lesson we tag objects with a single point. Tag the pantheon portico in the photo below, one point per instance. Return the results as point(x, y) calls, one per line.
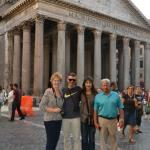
point(90, 37)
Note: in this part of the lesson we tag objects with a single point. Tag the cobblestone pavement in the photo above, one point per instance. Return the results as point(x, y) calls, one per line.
point(29, 134)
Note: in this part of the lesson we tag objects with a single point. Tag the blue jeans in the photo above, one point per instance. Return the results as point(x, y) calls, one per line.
point(52, 132)
point(88, 137)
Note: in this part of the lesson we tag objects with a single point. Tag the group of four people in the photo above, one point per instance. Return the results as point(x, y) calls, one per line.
point(81, 110)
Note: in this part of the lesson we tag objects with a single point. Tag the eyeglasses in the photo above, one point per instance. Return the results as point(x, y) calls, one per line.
point(72, 80)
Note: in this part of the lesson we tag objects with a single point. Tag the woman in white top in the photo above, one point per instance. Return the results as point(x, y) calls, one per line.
point(10, 100)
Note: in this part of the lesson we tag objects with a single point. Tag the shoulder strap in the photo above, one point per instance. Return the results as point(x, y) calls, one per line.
point(86, 100)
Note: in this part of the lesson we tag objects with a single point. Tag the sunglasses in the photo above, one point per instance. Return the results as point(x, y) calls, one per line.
point(72, 80)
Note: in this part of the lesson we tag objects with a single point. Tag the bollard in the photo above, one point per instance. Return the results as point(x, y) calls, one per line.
point(27, 105)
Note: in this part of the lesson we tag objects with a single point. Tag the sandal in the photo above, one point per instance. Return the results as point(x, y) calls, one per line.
point(132, 141)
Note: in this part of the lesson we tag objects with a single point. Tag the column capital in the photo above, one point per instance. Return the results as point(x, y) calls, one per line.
point(26, 25)
point(80, 29)
point(97, 33)
point(10, 34)
point(137, 41)
point(126, 40)
point(61, 26)
point(39, 18)
point(113, 36)
point(17, 30)
point(147, 45)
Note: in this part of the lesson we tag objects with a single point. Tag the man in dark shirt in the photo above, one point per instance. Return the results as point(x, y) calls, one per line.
point(16, 103)
point(71, 113)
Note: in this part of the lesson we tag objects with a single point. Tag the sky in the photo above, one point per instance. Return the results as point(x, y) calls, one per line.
point(143, 6)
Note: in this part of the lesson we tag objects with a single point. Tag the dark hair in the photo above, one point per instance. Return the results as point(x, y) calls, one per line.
point(130, 86)
point(113, 84)
point(16, 85)
point(11, 86)
point(1, 88)
point(93, 90)
point(49, 84)
point(72, 74)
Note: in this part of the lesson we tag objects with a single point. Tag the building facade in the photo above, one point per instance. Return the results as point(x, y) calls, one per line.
point(39, 37)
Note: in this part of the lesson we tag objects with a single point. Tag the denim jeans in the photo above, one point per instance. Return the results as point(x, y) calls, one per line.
point(52, 131)
point(88, 137)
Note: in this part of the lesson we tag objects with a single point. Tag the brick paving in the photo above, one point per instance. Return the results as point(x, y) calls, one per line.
point(29, 134)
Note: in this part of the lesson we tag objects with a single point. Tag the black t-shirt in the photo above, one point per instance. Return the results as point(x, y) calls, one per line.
point(129, 104)
point(72, 98)
point(17, 96)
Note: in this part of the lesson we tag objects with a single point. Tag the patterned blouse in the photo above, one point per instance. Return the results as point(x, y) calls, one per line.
point(49, 100)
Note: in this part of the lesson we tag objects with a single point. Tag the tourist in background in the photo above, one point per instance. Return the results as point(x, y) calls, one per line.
point(113, 86)
point(139, 108)
point(10, 99)
point(130, 104)
point(1, 98)
point(16, 103)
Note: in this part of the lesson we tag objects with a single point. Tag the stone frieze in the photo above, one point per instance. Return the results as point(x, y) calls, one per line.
point(76, 16)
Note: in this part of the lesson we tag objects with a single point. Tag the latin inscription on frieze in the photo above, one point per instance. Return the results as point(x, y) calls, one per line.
point(107, 25)
point(104, 2)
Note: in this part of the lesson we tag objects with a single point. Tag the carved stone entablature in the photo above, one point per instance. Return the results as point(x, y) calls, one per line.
point(119, 9)
point(11, 1)
point(104, 2)
point(111, 26)
point(16, 7)
point(61, 10)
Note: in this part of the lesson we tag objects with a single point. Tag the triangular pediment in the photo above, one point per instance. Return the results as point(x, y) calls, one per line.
point(123, 10)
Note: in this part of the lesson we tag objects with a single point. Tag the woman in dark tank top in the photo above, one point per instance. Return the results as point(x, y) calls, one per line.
point(130, 104)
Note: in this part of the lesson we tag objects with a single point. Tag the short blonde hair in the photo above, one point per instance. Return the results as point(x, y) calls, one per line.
point(56, 75)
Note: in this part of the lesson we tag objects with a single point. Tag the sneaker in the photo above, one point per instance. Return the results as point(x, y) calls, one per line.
point(139, 131)
point(22, 118)
point(11, 120)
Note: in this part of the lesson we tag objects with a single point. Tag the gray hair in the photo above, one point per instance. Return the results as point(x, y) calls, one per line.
point(106, 81)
